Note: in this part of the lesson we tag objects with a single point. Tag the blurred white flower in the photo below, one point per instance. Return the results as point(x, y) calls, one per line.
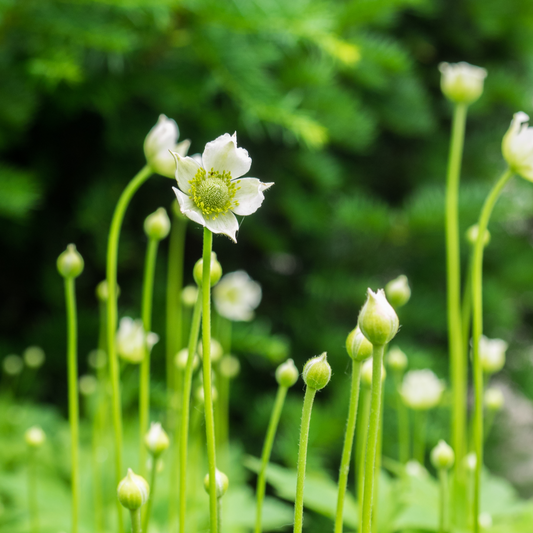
point(421, 389)
point(462, 82)
point(517, 146)
point(492, 354)
point(210, 192)
point(132, 341)
point(236, 296)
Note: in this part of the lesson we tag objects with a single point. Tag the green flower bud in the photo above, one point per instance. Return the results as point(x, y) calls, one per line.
point(470, 461)
point(34, 437)
point(157, 225)
point(492, 354)
point(396, 359)
point(70, 262)
point(133, 491)
point(229, 366)
point(189, 294)
point(216, 351)
point(287, 374)
point(97, 359)
point(493, 399)
point(216, 270)
point(472, 234)
point(378, 320)
point(180, 360)
point(102, 291)
point(462, 83)
point(221, 481)
point(156, 439)
point(366, 373)
point(34, 357)
point(442, 456)
point(200, 397)
point(88, 385)
point(317, 372)
point(13, 365)
point(358, 346)
point(398, 291)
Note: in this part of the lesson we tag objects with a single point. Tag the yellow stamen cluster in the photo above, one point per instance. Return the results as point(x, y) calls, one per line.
point(213, 192)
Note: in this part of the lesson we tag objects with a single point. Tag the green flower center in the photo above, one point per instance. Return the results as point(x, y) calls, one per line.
point(213, 192)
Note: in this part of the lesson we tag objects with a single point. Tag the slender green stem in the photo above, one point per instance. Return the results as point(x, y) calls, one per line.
point(372, 438)
point(136, 521)
point(419, 435)
point(403, 419)
point(348, 443)
point(206, 354)
point(144, 374)
point(444, 504)
point(265, 457)
point(185, 410)
point(360, 449)
point(377, 467)
point(111, 276)
point(466, 308)
point(302, 459)
point(32, 491)
point(148, 512)
point(477, 331)
point(453, 267)
point(96, 473)
point(73, 407)
point(219, 514)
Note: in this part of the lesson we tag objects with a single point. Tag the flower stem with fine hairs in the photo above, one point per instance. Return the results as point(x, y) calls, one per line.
point(444, 504)
point(32, 491)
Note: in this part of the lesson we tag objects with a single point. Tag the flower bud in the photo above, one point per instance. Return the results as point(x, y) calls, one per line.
point(200, 395)
point(472, 233)
point(462, 83)
point(470, 461)
point(216, 351)
point(88, 385)
point(97, 359)
point(133, 491)
point(378, 320)
point(156, 439)
point(398, 291)
point(493, 399)
point(317, 372)
point(442, 456)
point(157, 225)
point(229, 366)
point(517, 146)
point(287, 374)
point(367, 370)
point(396, 359)
point(215, 271)
point(414, 469)
point(34, 357)
point(13, 365)
point(358, 346)
point(34, 437)
point(70, 262)
point(421, 389)
point(189, 294)
point(221, 481)
point(180, 360)
point(132, 341)
point(492, 354)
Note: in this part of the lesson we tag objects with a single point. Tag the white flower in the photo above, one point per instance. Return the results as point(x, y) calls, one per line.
point(462, 82)
point(492, 354)
point(210, 192)
point(236, 296)
point(517, 146)
point(160, 139)
point(132, 341)
point(421, 389)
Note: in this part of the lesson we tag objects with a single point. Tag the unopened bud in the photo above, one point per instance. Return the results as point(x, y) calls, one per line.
point(34, 357)
point(398, 291)
point(222, 483)
point(470, 461)
point(181, 359)
point(133, 491)
point(189, 294)
point(216, 351)
point(70, 262)
point(34, 437)
point(88, 385)
point(442, 456)
point(157, 225)
point(494, 399)
point(215, 271)
point(287, 374)
point(200, 395)
point(462, 83)
point(229, 366)
point(156, 439)
point(367, 370)
point(492, 354)
point(358, 346)
point(396, 359)
point(472, 234)
point(97, 359)
point(317, 372)
point(378, 320)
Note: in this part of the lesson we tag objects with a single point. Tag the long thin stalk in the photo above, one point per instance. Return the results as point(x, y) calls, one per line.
point(348, 443)
point(185, 411)
point(206, 353)
point(32, 491)
point(453, 264)
point(148, 512)
point(302, 459)
point(73, 407)
point(360, 448)
point(377, 467)
point(111, 276)
point(477, 331)
point(136, 521)
point(146, 313)
point(403, 419)
point(372, 438)
point(265, 457)
point(444, 501)
point(419, 435)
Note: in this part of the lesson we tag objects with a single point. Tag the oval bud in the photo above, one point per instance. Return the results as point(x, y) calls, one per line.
point(378, 320)
point(287, 374)
point(462, 83)
point(517, 146)
point(133, 491)
point(216, 351)
point(396, 359)
point(492, 354)
point(34, 437)
point(442, 456)
point(34, 357)
point(156, 439)
point(366, 373)
point(157, 225)
point(102, 291)
point(229, 366)
point(221, 481)
point(70, 263)
point(97, 359)
point(317, 372)
point(200, 396)
point(470, 461)
point(216, 270)
point(472, 233)
point(398, 291)
point(493, 399)
point(358, 346)
point(189, 294)
point(180, 360)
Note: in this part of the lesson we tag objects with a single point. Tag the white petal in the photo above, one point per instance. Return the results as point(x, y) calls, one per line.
point(188, 207)
point(223, 154)
point(250, 195)
point(183, 147)
point(186, 169)
point(224, 223)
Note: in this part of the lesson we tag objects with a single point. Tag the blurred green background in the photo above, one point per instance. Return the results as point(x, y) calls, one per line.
point(337, 102)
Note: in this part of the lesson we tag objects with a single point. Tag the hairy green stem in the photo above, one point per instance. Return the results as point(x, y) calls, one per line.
point(111, 276)
point(32, 491)
point(444, 504)
point(136, 521)
point(360, 448)
point(267, 450)
point(403, 418)
point(148, 512)
point(302, 459)
point(372, 438)
point(348, 443)
point(477, 331)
